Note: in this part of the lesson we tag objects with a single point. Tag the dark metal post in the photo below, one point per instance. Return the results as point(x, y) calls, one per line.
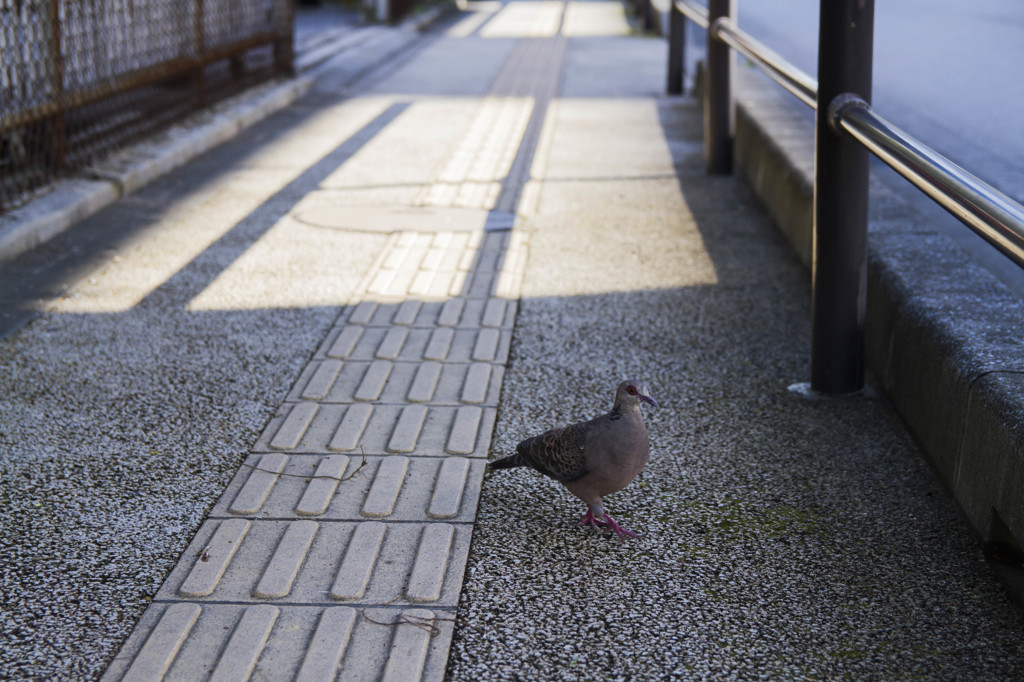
point(59, 129)
point(840, 202)
point(676, 50)
point(718, 109)
point(284, 46)
point(199, 39)
point(647, 7)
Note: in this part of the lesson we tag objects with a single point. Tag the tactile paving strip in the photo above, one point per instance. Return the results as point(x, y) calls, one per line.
point(359, 496)
point(472, 176)
point(338, 549)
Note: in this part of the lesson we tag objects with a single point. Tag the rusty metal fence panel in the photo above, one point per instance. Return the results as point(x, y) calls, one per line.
point(80, 78)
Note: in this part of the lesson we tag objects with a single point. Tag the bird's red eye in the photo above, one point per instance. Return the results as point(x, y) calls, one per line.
point(631, 390)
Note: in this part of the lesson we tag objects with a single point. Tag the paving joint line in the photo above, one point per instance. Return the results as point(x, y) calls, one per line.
point(308, 605)
point(253, 517)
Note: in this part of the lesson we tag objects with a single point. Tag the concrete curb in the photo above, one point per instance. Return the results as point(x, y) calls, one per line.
point(943, 334)
point(422, 21)
point(68, 202)
point(74, 199)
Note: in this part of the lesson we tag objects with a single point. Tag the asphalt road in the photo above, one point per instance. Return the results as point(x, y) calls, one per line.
point(947, 72)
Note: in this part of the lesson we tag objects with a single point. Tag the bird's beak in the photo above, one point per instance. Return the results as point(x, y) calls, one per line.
point(649, 400)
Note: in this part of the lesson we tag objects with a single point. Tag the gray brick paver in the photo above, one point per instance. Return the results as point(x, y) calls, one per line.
point(163, 643)
point(431, 564)
point(425, 383)
point(387, 484)
point(261, 479)
point(409, 648)
point(246, 644)
point(451, 484)
point(360, 558)
point(328, 645)
point(317, 495)
point(212, 560)
point(280, 573)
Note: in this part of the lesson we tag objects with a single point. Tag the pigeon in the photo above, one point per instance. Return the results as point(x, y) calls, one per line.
point(592, 458)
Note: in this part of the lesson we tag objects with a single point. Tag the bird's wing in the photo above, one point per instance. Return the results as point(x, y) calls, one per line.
point(557, 453)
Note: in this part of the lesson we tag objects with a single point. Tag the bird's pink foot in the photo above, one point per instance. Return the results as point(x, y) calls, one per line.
point(609, 522)
point(589, 519)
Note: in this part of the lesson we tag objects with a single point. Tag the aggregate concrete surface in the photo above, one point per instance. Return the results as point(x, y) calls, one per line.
point(782, 538)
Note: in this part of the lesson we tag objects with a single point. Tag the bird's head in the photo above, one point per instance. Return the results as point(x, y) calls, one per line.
point(632, 392)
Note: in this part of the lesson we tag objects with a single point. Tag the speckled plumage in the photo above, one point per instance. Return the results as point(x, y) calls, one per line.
point(592, 458)
point(557, 453)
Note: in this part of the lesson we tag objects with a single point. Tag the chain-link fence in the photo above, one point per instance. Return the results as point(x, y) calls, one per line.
point(79, 78)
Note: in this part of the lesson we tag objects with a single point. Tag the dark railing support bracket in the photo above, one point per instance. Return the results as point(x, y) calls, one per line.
point(839, 104)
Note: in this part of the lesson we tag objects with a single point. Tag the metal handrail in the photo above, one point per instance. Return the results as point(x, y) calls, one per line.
point(798, 83)
point(694, 12)
point(990, 213)
point(993, 215)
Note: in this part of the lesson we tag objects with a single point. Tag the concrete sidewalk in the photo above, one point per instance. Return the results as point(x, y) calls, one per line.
point(251, 442)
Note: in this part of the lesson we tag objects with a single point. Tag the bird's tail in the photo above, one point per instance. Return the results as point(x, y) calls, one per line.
point(509, 462)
